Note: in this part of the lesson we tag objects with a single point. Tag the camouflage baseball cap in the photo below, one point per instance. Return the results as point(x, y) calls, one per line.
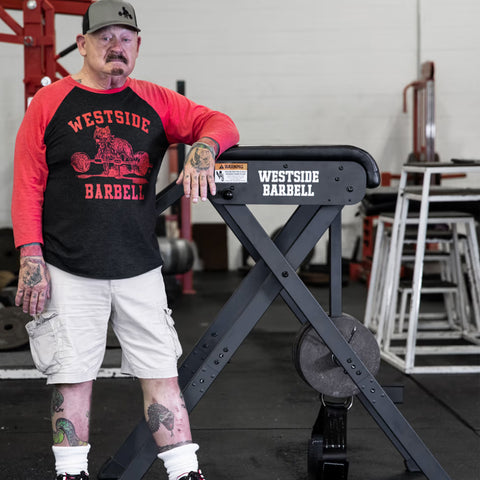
point(109, 12)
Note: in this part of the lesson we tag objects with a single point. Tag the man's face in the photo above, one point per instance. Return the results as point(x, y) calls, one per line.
point(112, 50)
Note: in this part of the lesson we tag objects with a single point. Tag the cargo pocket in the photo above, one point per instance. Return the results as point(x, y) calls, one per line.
point(43, 345)
point(173, 332)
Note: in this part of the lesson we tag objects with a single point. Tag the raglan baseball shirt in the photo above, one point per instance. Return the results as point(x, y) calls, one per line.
point(86, 164)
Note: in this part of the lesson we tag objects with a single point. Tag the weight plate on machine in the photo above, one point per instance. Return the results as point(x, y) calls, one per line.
point(317, 365)
point(12, 328)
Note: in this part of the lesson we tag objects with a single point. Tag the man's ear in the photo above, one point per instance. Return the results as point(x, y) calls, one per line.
point(81, 44)
point(139, 41)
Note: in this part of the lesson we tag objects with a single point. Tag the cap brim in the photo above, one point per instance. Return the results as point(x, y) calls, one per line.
point(108, 24)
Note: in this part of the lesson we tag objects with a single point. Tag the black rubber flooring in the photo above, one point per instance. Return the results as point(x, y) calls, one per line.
point(255, 422)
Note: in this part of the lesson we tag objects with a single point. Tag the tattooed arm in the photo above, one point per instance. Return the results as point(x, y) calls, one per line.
point(33, 280)
point(198, 172)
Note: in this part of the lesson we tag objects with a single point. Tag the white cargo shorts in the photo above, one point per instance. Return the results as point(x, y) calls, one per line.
point(68, 339)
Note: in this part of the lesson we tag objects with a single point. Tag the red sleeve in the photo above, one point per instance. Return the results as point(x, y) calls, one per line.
point(30, 169)
point(186, 121)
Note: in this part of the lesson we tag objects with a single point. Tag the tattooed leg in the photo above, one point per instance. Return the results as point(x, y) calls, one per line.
point(64, 429)
point(158, 415)
point(57, 401)
point(70, 413)
point(166, 413)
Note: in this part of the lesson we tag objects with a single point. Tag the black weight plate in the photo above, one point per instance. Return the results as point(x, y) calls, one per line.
point(318, 367)
point(177, 255)
point(12, 328)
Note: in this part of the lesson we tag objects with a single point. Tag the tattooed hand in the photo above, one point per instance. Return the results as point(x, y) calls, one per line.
point(197, 175)
point(33, 281)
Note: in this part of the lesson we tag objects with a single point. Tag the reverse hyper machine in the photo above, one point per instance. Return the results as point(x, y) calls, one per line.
point(334, 353)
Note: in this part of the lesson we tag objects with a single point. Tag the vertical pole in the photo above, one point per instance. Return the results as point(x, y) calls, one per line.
point(416, 145)
point(50, 64)
point(33, 58)
point(430, 121)
point(185, 214)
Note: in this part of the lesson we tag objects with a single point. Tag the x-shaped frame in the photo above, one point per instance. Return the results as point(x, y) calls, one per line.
point(275, 273)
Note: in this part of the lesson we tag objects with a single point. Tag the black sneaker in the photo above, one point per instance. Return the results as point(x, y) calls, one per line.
point(78, 476)
point(193, 476)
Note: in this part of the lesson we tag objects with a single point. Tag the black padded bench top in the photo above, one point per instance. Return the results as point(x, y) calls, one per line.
point(341, 153)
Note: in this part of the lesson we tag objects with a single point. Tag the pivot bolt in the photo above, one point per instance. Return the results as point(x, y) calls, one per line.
point(227, 194)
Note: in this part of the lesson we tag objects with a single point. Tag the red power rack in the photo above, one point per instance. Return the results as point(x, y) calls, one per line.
point(37, 35)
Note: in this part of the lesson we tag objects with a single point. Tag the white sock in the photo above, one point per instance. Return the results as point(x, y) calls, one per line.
point(180, 461)
point(71, 460)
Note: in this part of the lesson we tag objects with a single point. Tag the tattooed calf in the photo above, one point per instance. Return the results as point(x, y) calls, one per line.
point(160, 415)
point(57, 401)
point(65, 429)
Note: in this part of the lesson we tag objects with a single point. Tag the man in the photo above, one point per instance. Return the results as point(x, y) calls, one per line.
point(87, 157)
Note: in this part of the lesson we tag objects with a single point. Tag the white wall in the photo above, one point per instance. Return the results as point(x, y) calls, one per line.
point(451, 37)
point(303, 72)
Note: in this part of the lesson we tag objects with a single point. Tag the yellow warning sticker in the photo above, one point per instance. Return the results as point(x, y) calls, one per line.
point(231, 172)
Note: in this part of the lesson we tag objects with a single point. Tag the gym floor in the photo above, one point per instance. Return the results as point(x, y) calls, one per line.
point(255, 421)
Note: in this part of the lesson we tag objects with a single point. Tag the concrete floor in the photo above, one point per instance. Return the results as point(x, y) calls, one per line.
point(255, 421)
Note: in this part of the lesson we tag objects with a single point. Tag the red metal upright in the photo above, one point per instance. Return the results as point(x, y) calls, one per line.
point(37, 36)
point(423, 114)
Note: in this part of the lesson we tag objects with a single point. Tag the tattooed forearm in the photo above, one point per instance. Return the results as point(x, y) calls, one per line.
point(160, 415)
point(57, 402)
point(64, 429)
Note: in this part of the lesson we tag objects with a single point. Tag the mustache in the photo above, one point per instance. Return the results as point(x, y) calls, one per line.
point(116, 56)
